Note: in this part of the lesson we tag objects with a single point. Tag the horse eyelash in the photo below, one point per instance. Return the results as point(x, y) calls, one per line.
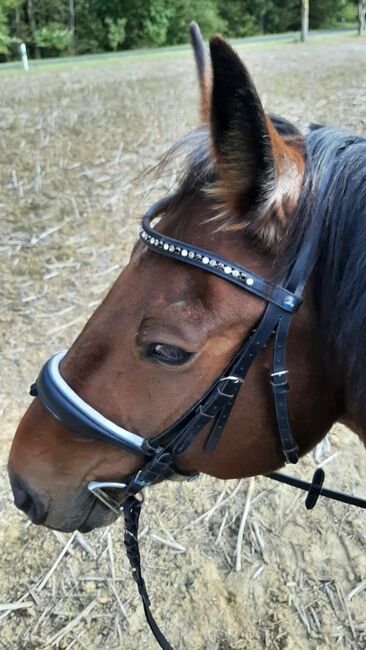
point(180, 358)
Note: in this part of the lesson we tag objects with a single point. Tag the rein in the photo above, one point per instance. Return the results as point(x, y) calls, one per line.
point(213, 408)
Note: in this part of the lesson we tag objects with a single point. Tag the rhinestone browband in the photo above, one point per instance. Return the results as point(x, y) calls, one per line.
point(163, 245)
point(219, 266)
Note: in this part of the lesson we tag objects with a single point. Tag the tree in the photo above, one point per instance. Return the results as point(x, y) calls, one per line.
point(33, 27)
point(116, 32)
point(331, 13)
point(72, 26)
point(6, 8)
point(361, 17)
point(156, 22)
point(51, 27)
point(5, 37)
point(239, 20)
point(207, 12)
point(304, 19)
point(52, 37)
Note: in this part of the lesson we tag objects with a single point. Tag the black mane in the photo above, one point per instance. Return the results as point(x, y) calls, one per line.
point(333, 206)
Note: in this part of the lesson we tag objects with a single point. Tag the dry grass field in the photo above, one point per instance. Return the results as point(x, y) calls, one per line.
point(73, 142)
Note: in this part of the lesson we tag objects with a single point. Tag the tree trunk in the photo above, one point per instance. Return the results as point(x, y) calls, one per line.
point(361, 17)
point(304, 20)
point(72, 26)
point(33, 28)
point(262, 21)
point(17, 21)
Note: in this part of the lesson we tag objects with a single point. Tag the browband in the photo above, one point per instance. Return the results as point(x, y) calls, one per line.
point(217, 265)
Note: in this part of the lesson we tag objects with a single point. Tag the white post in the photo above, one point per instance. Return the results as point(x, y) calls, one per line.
point(23, 54)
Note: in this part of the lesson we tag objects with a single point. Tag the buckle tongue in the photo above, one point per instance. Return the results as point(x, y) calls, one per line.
point(233, 378)
point(138, 482)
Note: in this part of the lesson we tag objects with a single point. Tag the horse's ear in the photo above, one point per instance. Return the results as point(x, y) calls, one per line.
point(203, 69)
point(253, 161)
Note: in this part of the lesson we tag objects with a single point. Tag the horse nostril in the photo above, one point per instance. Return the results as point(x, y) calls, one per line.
point(27, 499)
point(22, 500)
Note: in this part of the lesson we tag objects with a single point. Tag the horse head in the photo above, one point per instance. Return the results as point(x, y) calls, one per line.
point(167, 330)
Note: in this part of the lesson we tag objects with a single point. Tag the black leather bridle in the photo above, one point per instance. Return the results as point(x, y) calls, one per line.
point(160, 453)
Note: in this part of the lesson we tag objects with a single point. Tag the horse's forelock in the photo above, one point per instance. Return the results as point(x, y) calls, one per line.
point(192, 164)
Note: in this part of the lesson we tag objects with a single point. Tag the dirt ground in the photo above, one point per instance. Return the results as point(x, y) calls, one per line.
point(72, 142)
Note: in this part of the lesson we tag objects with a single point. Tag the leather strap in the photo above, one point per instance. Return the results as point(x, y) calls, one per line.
point(316, 489)
point(131, 511)
point(280, 386)
point(208, 261)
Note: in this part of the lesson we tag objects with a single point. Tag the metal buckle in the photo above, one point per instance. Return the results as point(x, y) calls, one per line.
point(279, 373)
point(236, 380)
point(140, 484)
point(291, 455)
point(96, 488)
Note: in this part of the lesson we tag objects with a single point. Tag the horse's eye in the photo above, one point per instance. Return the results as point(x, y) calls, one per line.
point(169, 354)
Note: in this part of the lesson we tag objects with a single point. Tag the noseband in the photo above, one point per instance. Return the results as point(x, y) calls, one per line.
point(161, 452)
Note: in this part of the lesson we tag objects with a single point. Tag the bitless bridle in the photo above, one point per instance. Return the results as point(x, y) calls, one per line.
point(213, 408)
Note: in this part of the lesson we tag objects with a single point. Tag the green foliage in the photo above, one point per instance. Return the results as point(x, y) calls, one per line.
point(184, 11)
point(102, 25)
point(155, 24)
point(116, 31)
point(6, 6)
point(239, 21)
point(5, 37)
point(147, 22)
point(331, 13)
point(53, 36)
point(248, 17)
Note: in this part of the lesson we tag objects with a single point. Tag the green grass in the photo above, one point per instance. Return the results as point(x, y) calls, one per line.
point(91, 60)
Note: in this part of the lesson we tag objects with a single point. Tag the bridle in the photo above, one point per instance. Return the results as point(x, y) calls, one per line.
point(160, 452)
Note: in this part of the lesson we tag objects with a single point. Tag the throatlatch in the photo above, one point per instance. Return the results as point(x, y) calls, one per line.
point(161, 452)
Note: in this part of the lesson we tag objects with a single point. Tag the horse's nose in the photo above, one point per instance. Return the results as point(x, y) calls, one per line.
point(27, 499)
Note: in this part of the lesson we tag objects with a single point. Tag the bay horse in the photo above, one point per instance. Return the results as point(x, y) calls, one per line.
point(259, 252)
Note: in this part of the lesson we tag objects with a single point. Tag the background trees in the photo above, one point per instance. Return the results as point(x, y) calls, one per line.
point(7, 7)
point(55, 27)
